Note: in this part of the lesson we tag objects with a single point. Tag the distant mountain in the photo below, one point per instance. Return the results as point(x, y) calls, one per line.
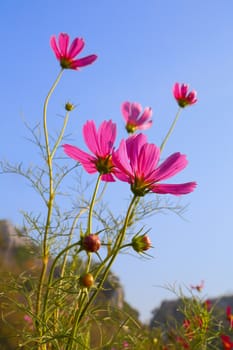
point(18, 249)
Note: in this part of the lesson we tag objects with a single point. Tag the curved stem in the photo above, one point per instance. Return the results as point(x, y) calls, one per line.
point(60, 136)
point(51, 273)
point(89, 223)
point(81, 312)
point(45, 252)
point(170, 130)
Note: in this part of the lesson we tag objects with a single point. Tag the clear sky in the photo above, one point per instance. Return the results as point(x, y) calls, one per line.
point(144, 47)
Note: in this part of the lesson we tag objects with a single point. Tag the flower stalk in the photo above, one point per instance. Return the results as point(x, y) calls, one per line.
point(45, 251)
point(172, 127)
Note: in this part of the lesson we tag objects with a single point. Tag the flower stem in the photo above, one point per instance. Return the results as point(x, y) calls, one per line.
point(81, 312)
point(170, 130)
point(89, 223)
point(45, 249)
point(60, 136)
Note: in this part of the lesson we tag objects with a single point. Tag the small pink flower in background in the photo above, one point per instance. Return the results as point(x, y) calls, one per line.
point(207, 304)
point(226, 342)
point(137, 163)
point(66, 55)
point(134, 117)
point(183, 342)
point(29, 321)
point(198, 287)
point(182, 96)
point(125, 345)
point(229, 316)
point(100, 143)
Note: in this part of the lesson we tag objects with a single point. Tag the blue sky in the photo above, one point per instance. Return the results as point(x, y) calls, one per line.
point(143, 48)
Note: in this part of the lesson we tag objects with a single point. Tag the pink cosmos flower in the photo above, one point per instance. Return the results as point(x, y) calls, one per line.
point(137, 163)
point(226, 342)
point(182, 96)
point(66, 55)
point(183, 342)
point(134, 117)
point(229, 316)
point(198, 287)
point(100, 143)
point(207, 304)
point(29, 321)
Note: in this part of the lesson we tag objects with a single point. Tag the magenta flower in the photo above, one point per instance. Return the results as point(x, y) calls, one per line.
point(137, 163)
point(198, 287)
point(67, 55)
point(100, 143)
point(182, 96)
point(29, 321)
point(134, 117)
point(229, 316)
point(226, 342)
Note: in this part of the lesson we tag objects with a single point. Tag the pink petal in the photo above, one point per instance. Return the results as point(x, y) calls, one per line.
point(145, 126)
point(87, 161)
point(183, 90)
point(82, 62)
point(76, 47)
point(148, 159)
point(171, 166)
point(106, 137)
point(91, 137)
point(136, 109)
point(176, 190)
point(134, 144)
point(192, 97)
point(54, 47)
point(122, 176)
point(63, 41)
point(146, 115)
point(176, 90)
point(107, 178)
point(121, 162)
point(100, 142)
point(125, 109)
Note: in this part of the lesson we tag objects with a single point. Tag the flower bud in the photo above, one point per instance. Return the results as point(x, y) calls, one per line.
point(87, 280)
point(183, 96)
point(91, 243)
point(69, 106)
point(141, 243)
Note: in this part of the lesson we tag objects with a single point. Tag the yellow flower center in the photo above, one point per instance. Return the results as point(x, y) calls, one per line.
point(104, 165)
point(140, 187)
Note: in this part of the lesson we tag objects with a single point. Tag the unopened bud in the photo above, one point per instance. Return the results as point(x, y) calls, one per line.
point(69, 106)
point(87, 280)
point(91, 243)
point(141, 243)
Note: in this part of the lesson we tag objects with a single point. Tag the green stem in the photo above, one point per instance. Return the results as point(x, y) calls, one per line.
point(81, 312)
point(89, 223)
point(45, 252)
point(170, 130)
point(60, 136)
point(63, 266)
point(51, 273)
